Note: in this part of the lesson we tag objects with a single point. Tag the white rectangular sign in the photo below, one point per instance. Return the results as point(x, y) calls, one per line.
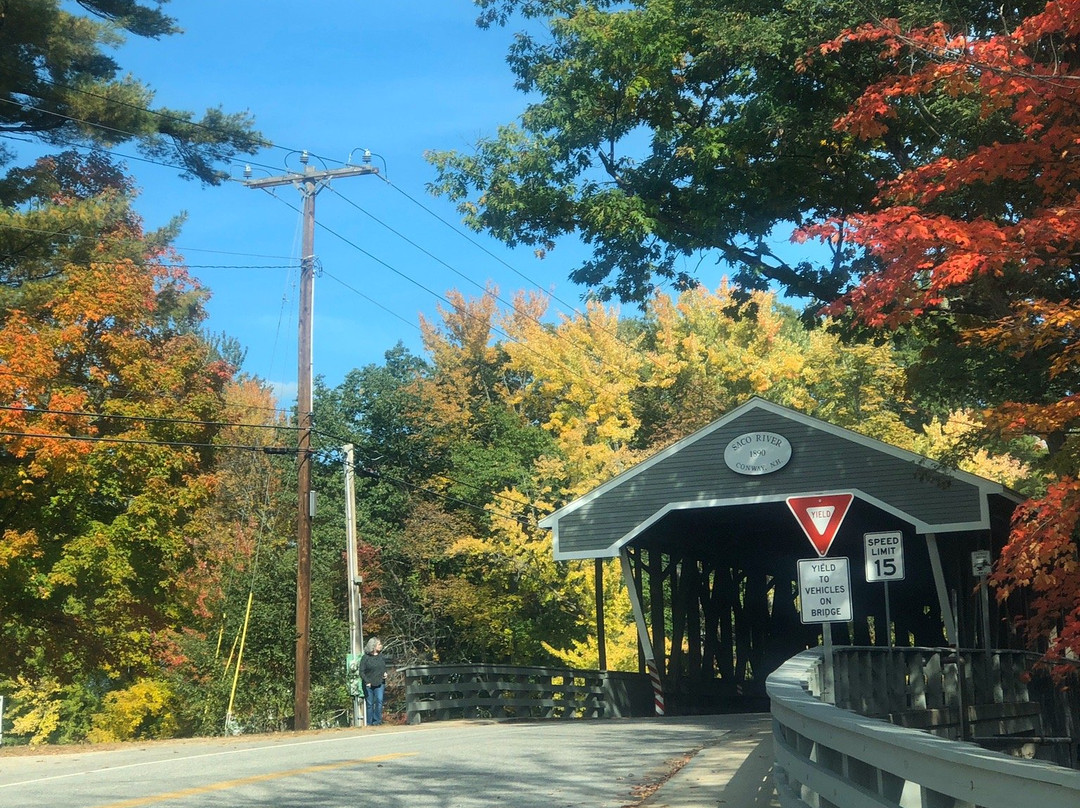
point(884, 555)
point(824, 590)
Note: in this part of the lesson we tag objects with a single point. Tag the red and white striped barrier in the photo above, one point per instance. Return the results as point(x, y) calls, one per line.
point(657, 686)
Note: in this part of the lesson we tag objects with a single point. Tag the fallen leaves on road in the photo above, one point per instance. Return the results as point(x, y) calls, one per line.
point(655, 778)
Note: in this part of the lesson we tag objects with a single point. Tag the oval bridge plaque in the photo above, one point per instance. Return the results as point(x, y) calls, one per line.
point(757, 453)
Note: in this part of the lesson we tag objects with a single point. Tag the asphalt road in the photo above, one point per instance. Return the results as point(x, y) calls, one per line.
point(592, 764)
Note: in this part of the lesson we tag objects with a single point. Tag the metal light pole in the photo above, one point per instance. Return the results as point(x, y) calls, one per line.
point(356, 621)
point(309, 183)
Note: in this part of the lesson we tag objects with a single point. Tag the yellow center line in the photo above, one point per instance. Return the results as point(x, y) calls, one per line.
point(243, 781)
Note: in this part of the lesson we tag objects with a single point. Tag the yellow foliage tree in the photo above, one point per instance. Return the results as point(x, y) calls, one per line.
point(39, 716)
point(620, 647)
point(582, 374)
point(948, 439)
point(612, 391)
point(142, 710)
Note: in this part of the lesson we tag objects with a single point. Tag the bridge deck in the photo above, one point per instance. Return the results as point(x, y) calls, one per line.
point(735, 771)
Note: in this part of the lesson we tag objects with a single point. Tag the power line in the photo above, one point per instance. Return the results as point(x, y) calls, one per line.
point(584, 315)
point(271, 450)
point(178, 248)
point(99, 126)
point(555, 333)
point(147, 419)
point(17, 375)
point(374, 258)
point(156, 113)
point(147, 442)
point(364, 470)
point(435, 294)
point(508, 304)
point(370, 299)
point(429, 254)
point(295, 263)
point(270, 144)
point(635, 349)
point(134, 135)
point(484, 249)
point(367, 471)
point(273, 145)
point(62, 116)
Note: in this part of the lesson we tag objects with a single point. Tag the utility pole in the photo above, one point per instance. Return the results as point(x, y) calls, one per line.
point(353, 581)
point(309, 183)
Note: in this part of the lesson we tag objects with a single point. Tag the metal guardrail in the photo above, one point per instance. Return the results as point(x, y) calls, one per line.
point(440, 692)
point(829, 757)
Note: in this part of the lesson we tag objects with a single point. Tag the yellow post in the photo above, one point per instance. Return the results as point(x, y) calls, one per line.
point(239, 659)
point(220, 637)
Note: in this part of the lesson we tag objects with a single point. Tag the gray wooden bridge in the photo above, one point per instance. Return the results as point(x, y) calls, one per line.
point(898, 685)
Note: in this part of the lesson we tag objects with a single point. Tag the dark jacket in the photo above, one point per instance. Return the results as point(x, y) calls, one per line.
point(373, 669)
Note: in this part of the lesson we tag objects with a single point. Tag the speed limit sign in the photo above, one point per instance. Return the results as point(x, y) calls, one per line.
point(884, 555)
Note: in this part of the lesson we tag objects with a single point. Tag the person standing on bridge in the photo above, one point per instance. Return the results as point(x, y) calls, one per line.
point(373, 675)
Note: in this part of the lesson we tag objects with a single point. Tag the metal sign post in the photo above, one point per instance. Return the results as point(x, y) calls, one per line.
point(884, 554)
point(825, 597)
point(981, 565)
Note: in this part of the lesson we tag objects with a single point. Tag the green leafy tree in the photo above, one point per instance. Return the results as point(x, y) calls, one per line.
point(370, 410)
point(508, 595)
point(58, 83)
point(660, 132)
point(443, 446)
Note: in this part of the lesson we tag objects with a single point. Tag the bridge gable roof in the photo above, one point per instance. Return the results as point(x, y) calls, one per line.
point(825, 459)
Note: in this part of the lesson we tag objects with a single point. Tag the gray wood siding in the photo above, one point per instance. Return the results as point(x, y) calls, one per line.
point(820, 461)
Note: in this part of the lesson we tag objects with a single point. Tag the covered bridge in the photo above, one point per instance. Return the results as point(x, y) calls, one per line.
point(710, 532)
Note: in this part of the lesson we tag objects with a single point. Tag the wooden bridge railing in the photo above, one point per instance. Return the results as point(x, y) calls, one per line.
point(439, 692)
point(995, 699)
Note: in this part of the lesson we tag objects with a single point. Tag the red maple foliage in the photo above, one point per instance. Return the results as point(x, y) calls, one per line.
point(990, 234)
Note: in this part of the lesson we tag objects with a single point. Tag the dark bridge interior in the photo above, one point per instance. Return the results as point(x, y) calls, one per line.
point(718, 587)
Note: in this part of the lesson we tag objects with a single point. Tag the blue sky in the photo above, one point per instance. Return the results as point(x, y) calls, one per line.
point(334, 77)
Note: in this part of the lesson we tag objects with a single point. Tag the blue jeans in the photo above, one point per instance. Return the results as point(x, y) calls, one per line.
point(373, 697)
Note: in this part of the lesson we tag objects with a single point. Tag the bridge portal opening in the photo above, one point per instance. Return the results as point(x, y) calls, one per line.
point(709, 548)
